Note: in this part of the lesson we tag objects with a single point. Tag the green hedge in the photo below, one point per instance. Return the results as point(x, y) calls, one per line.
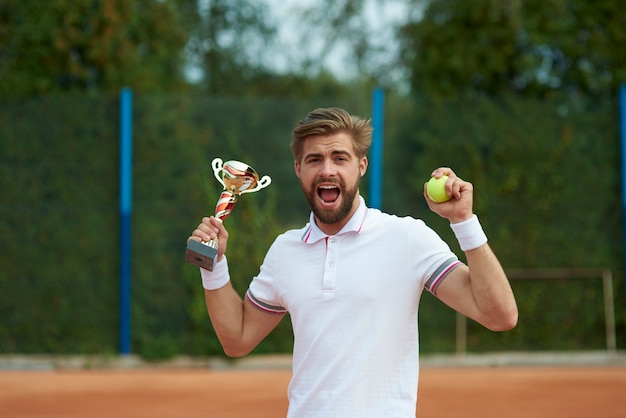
point(546, 177)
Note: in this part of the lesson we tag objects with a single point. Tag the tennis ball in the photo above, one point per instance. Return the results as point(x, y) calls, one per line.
point(436, 189)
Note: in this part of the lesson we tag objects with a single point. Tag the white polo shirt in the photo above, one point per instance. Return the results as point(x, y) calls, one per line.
point(353, 300)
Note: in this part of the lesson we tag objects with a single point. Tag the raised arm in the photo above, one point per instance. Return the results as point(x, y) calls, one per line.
point(238, 324)
point(480, 289)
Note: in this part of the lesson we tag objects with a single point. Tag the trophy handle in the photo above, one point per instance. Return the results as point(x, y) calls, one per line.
point(264, 182)
point(218, 167)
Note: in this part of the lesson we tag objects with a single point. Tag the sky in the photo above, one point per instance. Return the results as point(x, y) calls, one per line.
point(288, 53)
point(380, 16)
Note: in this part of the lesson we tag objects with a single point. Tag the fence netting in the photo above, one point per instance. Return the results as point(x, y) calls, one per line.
point(546, 178)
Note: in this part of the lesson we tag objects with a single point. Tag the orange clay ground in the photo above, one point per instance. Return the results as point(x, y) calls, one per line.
point(535, 391)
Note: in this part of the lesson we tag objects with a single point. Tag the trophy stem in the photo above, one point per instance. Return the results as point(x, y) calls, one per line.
point(213, 243)
point(225, 204)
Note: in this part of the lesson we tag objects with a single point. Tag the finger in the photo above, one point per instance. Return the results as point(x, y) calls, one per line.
point(202, 234)
point(455, 190)
point(460, 187)
point(438, 172)
point(207, 231)
point(218, 224)
point(194, 238)
point(443, 171)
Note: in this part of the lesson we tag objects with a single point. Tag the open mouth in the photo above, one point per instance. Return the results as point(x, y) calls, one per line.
point(329, 193)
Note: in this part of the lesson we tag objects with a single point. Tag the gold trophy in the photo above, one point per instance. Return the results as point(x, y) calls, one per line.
point(237, 178)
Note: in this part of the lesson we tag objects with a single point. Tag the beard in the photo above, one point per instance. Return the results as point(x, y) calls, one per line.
point(331, 216)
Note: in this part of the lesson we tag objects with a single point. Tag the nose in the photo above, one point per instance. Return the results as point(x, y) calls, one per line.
point(328, 168)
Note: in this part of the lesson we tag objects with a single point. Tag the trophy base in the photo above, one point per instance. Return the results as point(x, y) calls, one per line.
point(201, 255)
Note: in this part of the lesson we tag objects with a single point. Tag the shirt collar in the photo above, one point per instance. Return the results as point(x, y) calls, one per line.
point(312, 233)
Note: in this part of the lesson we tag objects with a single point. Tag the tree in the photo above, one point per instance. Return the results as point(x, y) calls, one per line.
point(225, 42)
point(86, 45)
point(534, 47)
point(355, 35)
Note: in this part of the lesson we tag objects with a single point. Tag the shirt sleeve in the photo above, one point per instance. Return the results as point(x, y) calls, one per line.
point(433, 282)
point(432, 256)
point(262, 292)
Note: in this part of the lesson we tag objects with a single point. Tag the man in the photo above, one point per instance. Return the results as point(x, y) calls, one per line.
point(351, 280)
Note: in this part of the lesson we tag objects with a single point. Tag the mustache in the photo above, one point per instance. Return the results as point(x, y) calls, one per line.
point(331, 180)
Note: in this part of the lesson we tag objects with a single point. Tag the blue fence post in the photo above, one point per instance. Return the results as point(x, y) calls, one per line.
point(376, 163)
point(622, 118)
point(126, 192)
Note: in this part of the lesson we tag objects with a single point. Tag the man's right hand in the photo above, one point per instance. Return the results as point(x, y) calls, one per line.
point(209, 229)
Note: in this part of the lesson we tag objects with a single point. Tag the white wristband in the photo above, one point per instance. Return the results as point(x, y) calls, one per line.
point(469, 233)
point(217, 278)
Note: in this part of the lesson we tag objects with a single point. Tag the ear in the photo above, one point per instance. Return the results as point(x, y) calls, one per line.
point(363, 166)
point(296, 166)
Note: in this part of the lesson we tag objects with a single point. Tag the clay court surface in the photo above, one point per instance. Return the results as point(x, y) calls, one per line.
point(535, 391)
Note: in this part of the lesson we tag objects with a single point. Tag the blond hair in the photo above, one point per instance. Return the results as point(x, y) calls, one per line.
point(329, 121)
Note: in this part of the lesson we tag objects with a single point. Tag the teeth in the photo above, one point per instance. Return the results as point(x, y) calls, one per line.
point(328, 187)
